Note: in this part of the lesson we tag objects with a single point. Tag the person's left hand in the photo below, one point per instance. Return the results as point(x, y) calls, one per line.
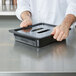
point(60, 32)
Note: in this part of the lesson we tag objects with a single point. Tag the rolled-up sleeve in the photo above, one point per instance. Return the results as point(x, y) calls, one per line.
point(22, 5)
point(71, 7)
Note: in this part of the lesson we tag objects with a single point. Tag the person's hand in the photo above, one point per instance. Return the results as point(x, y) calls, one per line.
point(60, 32)
point(26, 22)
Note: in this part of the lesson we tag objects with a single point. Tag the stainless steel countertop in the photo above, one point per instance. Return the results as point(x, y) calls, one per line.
point(18, 57)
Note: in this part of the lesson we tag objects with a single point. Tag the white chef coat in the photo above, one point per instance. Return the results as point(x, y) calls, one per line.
point(47, 11)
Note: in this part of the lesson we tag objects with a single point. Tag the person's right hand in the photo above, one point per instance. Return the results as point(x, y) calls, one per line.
point(26, 22)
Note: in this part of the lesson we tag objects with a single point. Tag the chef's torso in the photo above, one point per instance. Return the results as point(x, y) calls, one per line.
point(48, 11)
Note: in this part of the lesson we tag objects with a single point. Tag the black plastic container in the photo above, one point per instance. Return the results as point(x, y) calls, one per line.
point(37, 35)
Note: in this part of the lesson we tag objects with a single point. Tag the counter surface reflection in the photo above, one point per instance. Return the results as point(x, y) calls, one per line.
point(56, 57)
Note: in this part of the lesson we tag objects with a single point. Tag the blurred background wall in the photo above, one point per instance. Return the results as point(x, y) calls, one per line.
point(7, 13)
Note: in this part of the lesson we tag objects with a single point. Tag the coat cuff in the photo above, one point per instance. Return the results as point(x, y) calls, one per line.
point(71, 9)
point(19, 11)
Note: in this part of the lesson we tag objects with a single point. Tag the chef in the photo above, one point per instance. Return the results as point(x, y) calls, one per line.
point(57, 12)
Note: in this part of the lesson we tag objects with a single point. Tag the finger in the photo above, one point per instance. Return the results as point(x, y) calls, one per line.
point(63, 37)
point(53, 32)
point(23, 25)
point(28, 24)
point(60, 36)
point(56, 34)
